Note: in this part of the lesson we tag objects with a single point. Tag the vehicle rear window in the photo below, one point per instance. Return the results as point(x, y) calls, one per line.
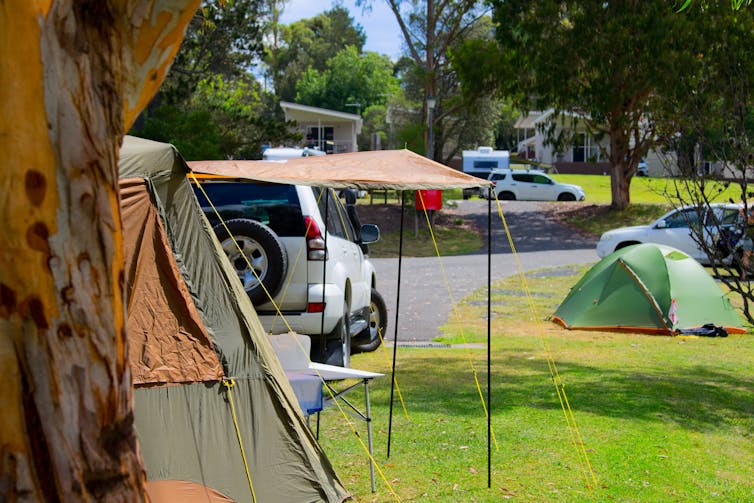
point(274, 205)
point(523, 177)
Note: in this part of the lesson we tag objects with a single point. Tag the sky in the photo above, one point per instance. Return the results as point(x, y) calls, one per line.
point(379, 25)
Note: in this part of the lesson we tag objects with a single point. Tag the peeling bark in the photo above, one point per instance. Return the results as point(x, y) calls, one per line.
point(73, 75)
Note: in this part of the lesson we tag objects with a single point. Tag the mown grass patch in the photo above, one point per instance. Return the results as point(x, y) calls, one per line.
point(647, 190)
point(661, 418)
point(449, 236)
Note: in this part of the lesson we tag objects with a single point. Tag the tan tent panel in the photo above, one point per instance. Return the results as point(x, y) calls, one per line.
point(182, 491)
point(167, 340)
point(182, 287)
point(379, 169)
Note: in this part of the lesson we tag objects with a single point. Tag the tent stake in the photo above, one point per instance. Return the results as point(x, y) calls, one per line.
point(395, 327)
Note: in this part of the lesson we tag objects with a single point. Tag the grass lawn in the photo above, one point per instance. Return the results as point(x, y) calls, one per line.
point(645, 190)
point(650, 199)
point(661, 418)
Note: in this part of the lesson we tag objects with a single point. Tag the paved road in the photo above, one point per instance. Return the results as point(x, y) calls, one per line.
point(425, 301)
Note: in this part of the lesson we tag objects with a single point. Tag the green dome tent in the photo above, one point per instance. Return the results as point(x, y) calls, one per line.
point(647, 288)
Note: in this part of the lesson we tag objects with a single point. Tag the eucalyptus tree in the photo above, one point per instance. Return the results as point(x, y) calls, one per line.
point(430, 29)
point(75, 76)
point(605, 62)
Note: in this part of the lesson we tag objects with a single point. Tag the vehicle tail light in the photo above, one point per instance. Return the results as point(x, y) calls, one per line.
point(315, 307)
point(315, 244)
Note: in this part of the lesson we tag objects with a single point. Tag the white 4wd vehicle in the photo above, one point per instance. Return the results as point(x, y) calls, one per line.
point(531, 185)
point(294, 237)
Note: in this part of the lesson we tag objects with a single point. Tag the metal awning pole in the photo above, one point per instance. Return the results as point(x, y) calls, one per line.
point(395, 327)
point(489, 338)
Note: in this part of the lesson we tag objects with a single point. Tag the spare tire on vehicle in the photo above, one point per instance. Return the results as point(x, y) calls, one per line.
point(265, 253)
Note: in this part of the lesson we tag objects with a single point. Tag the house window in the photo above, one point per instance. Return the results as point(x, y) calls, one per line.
point(585, 149)
point(321, 137)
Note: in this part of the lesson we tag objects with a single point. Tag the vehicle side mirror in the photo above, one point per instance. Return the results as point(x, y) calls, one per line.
point(661, 224)
point(370, 233)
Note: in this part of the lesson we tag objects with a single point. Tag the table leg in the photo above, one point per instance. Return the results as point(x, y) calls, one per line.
point(369, 434)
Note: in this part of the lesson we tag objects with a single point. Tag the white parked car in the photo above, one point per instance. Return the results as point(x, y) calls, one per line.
point(294, 236)
point(674, 229)
point(532, 185)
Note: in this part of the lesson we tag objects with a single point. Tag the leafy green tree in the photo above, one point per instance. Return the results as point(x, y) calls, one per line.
point(350, 77)
point(193, 133)
point(710, 117)
point(309, 43)
point(606, 61)
point(211, 106)
point(223, 38)
point(374, 124)
point(222, 119)
point(430, 29)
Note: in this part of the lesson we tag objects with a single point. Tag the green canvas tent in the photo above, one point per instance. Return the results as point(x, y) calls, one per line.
point(647, 288)
point(191, 330)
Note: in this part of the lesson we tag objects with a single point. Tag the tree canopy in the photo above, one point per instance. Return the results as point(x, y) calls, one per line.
point(211, 106)
point(349, 78)
point(309, 44)
point(606, 62)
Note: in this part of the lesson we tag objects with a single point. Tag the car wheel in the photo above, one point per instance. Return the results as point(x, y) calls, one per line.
point(264, 251)
point(338, 351)
point(566, 196)
point(626, 243)
point(507, 196)
point(377, 324)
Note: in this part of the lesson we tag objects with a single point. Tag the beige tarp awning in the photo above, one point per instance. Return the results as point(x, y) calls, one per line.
point(379, 169)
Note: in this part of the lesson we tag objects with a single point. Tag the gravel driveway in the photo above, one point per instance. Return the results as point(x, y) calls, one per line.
point(425, 303)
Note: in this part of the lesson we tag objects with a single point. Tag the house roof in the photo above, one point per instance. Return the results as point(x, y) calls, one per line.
point(531, 119)
point(306, 113)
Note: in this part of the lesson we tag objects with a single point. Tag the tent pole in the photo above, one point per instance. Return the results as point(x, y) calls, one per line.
point(489, 331)
point(395, 326)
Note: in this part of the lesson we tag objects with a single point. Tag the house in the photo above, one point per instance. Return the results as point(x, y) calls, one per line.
point(587, 154)
point(330, 131)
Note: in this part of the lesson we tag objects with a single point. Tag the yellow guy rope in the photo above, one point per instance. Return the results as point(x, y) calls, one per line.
point(332, 396)
point(457, 316)
point(395, 380)
point(229, 383)
point(238, 247)
point(379, 332)
point(578, 443)
point(290, 279)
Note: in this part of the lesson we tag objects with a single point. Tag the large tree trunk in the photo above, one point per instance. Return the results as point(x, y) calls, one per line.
point(74, 75)
point(620, 186)
point(620, 172)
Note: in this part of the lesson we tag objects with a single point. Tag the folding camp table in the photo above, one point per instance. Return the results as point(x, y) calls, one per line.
point(331, 375)
point(308, 379)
